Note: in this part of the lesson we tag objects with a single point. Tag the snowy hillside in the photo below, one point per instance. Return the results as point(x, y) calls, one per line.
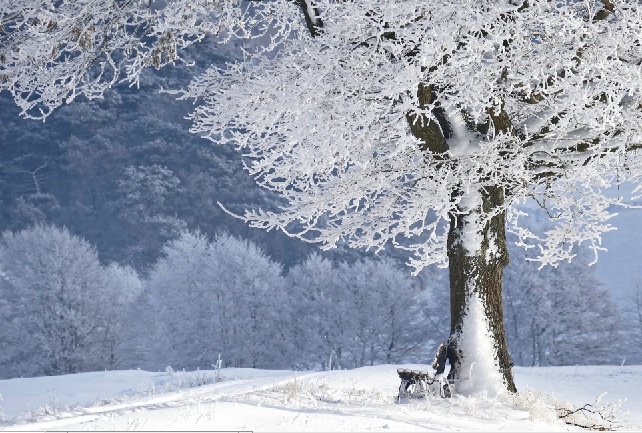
point(264, 400)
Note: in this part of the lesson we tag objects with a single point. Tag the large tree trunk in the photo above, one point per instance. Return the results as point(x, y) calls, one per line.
point(477, 256)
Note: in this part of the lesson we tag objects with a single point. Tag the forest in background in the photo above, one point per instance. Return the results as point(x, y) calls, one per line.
point(133, 195)
point(125, 173)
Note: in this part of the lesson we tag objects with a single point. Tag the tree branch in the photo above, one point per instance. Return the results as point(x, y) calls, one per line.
point(312, 16)
point(593, 417)
point(604, 13)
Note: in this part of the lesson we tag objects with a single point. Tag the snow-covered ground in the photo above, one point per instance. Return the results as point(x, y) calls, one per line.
point(347, 400)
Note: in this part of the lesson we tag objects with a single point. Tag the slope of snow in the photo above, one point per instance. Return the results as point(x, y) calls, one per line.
point(263, 400)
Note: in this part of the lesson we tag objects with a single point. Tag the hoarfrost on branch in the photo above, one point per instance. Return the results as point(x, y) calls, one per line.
point(327, 121)
point(326, 118)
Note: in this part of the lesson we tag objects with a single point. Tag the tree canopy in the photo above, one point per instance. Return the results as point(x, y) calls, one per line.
point(539, 98)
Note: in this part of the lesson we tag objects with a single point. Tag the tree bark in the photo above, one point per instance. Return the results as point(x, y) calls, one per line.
point(479, 274)
point(311, 15)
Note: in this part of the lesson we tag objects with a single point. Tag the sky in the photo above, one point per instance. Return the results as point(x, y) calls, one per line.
point(622, 263)
point(362, 399)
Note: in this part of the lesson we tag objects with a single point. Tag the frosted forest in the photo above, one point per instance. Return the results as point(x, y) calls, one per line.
point(316, 185)
point(65, 312)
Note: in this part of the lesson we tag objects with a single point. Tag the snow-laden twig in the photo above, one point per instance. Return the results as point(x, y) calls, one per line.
point(594, 416)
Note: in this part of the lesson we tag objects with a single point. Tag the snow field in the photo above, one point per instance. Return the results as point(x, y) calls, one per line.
point(345, 400)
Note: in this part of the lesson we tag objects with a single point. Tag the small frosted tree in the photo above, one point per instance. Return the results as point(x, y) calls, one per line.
point(309, 325)
point(388, 325)
point(125, 286)
point(417, 124)
point(350, 315)
point(179, 287)
point(255, 286)
point(633, 321)
point(560, 315)
point(213, 297)
point(60, 308)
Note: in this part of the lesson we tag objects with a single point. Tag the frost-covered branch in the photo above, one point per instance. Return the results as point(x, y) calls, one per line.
point(595, 416)
point(375, 129)
point(376, 121)
point(52, 51)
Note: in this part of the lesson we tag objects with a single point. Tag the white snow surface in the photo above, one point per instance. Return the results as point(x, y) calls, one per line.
point(346, 400)
point(471, 236)
point(477, 344)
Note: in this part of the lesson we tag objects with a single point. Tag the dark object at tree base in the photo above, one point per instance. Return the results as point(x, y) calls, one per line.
point(421, 384)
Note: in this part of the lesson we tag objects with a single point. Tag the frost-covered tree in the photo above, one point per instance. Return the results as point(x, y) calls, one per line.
point(633, 319)
point(61, 311)
point(126, 286)
point(207, 298)
point(417, 124)
point(560, 315)
point(178, 287)
point(349, 315)
point(388, 326)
